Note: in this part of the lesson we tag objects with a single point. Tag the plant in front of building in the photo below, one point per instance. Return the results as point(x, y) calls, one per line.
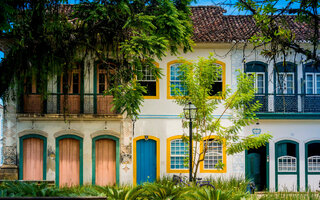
point(214, 136)
point(45, 38)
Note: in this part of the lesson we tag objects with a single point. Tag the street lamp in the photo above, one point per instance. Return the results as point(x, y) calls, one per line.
point(190, 112)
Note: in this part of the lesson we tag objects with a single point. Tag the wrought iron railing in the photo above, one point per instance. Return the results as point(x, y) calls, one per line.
point(285, 103)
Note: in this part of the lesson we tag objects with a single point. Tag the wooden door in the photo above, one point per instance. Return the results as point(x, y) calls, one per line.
point(105, 162)
point(32, 159)
point(146, 161)
point(69, 162)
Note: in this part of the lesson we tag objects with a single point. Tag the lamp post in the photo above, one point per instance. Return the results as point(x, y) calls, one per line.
point(190, 113)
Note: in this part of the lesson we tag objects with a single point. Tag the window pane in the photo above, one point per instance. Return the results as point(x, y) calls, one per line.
point(290, 83)
point(309, 84)
point(175, 82)
point(215, 88)
point(318, 84)
point(280, 84)
point(178, 154)
point(76, 83)
point(151, 87)
point(213, 155)
point(260, 83)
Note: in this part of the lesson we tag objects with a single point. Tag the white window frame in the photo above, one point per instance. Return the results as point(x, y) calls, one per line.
point(285, 83)
point(289, 166)
point(170, 80)
point(314, 83)
point(314, 166)
point(185, 155)
point(255, 82)
point(146, 73)
point(214, 153)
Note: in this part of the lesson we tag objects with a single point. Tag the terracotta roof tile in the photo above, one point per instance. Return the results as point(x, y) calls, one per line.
point(210, 25)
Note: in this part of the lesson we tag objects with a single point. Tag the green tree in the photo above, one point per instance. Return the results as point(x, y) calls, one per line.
point(46, 38)
point(198, 79)
point(273, 32)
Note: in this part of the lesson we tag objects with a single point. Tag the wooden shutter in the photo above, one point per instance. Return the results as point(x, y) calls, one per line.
point(105, 162)
point(32, 159)
point(69, 162)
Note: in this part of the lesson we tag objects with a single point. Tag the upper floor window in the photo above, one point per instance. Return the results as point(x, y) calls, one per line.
point(177, 155)
point(175, 82)
point(285, 78)
point(216, 154)
point(146, 79)
point(32, 85)
point(258, 71)
point(71, 81)
point(258, 81)
point(105, 77)
point(218, 87)
point(312, 83)
point(285, 83)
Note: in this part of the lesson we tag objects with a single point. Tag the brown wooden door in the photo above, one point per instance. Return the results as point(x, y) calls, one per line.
point(32, 159)
point(69, 162)
point(105, 162)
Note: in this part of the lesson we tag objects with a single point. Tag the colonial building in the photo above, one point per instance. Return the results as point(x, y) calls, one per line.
point(96, 145)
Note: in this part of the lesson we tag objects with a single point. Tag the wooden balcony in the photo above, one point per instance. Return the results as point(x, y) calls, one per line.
point(32, 103)
point(104, 104)
point(73, 104)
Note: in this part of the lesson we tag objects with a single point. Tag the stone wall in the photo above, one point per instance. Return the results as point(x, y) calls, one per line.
point(9, 169)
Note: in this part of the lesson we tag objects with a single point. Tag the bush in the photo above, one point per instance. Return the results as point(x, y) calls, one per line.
point(227, 189)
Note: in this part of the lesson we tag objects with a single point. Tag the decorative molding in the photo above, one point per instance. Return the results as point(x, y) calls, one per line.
point(32, 131)
point(68, 132)
point(105, 132)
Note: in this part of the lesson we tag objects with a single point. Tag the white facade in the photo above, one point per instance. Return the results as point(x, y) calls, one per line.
point(160, 119)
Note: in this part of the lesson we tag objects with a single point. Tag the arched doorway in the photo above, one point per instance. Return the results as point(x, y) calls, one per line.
point(33, 159)
point(287, 165)
point(105, 160)
point(312, 163)
point(146, 159)
point(69, 160)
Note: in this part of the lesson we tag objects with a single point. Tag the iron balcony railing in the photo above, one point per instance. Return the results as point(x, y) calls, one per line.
point(289, 103)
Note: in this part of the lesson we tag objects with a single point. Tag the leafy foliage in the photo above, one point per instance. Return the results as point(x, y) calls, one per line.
point(273, 32)
point(198, 79)
point(47, 38)
point(162, 189)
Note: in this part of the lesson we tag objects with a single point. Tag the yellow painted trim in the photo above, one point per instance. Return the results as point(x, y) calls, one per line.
point(135, 154)
point(157, 88)
point(223, 65)
point(169, 170)
point(224, 159)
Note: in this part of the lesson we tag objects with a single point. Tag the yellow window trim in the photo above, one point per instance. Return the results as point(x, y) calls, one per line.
point(223, 65)
point(169, 170)
point(135, 154)
point(157, 88)
point(224, 159)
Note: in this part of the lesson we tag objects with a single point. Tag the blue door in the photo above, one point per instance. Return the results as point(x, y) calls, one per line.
point(146, 161)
